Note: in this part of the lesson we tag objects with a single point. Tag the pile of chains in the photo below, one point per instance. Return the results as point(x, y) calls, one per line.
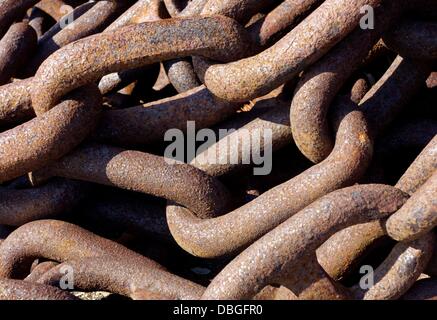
point(92, 208)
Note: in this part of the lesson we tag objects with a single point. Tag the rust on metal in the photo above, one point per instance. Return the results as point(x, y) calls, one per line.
point(20, 206)
point(31, 146)
point(333, 98)
point(17, 45)
point(144, 172)
point(134, 46)
point(126, 278)
point(24, 290)
point(315, 36)
point(235, 230)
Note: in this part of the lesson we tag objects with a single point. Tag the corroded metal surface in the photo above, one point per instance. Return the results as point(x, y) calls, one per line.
point(284, 17)
point(57, 241)
point(18, 44)
point(23, 290)
point(93, 20)
point(143, 172)
point(316, 35)
point(52, 8)
point(344, 249)
point(10, 10)
point(335, 98)
point(239, 10)
point(321, 83)
point(276, 121)
point(39, 270)
point(20, 206)
point(92, 274)
point(31, 146)
point(148, 123)
point(420, 170)
point(235, 230)
point(134, 46)
point(274, 254)
point(16, 103)
point(418, 216)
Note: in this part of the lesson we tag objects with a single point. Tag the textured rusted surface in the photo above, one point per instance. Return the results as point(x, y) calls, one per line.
point(16, 103)
point(275, 123)
point(273, 293)
point(58, 241)
point(399, 271)
point(308, 281)
point(305, 44)
point(148, 123)
point(194, 7)
point(119, 80)
point(284, 17)
point(141, 11)
point(414, 39)
point(418, 216)
point(121, 276)
point(424, 289)
point(39, 270)
point(23, 290)
point(58, 27)
point(17, 45)
point(37, 20)
point(359, 90)
point(142, 294)
point(94, 20)
point(132, 126)
point(379, 50)
point(345, 249)
point(18, 207)
point(321, 83)
point(268, 259)
point(431, 82)
point(31, 146)
point(10, 10)
point(181, 75)
point(133, 46)
point(147, 173)
point(420, 170)
point(180, 72)
point(251, 207)
point(52, 8)
point(240, 10)
point(237, 229)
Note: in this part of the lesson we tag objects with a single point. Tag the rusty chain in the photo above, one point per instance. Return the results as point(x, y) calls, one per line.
point(341, 94)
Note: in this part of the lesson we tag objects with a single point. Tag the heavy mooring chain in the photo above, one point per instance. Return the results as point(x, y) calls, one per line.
point(292, 141)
